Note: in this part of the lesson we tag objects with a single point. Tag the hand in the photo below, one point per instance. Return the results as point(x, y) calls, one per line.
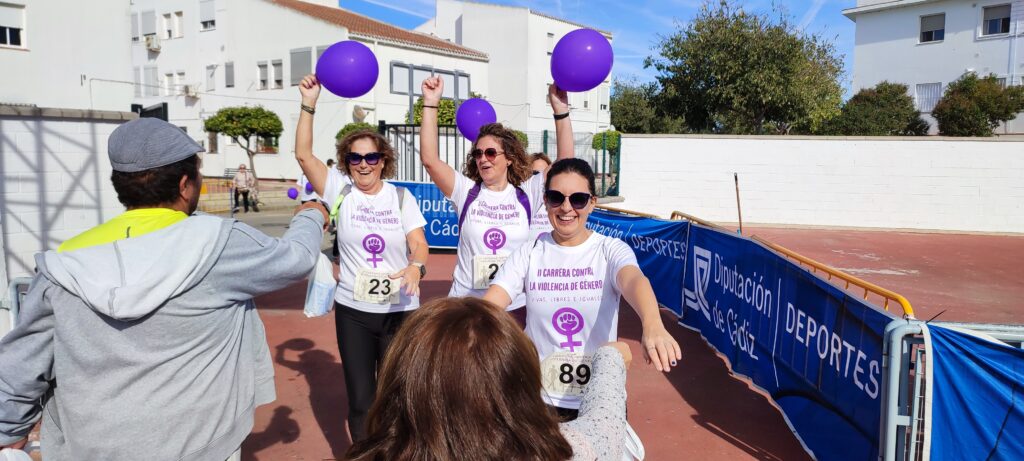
point(410, 279)
point(317, 206)
point(309, 88)
point(558, 98)
point(660, 348)
point(432, 88)
point(16, 445)
point(623, 348)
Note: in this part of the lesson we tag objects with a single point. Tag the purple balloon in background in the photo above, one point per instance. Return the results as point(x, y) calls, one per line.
point(293, 193)
point(473, 114)
point(309, 188)
point(581, 60)
point(347, 69)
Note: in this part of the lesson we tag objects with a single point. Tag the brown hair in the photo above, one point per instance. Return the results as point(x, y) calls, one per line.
point(518, 171)
point(540, 156)
point(460, 381)
point(383, 146)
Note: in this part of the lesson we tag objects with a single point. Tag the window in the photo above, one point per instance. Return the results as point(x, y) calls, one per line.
point(449, 84)
point(928, 95)
point(278, 74)
point(266, 145)
point(302, 59)
point(463, 85)
point(211, 142)
point(320, 51)
point(262, 75)
point(586, 100)
point(419, 74)
point(604, 98)
point(12, 25)
point(168, 84)
point(179, 82)
point(229, 75)
point(207, 16)
point(168, 26)
point(151, 84)
point(933, 28)
point(137, 80)
point(551, 43)
point(135, 27)
point(1001, 81)
point(399, 78)
point(179, 31)
point(996, 20)
point(211, 74)
point(148, 23)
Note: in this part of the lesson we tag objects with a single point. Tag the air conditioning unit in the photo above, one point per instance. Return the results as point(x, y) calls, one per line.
point(152, 43)
point(190, 91)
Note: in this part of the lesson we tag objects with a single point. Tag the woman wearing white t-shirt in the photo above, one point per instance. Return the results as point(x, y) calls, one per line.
point(378, 226)
point(539, 224)
point(573, 279)
point(496, 193)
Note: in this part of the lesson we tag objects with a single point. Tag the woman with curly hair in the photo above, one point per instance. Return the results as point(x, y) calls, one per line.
point(381, 244)
point(495, 195)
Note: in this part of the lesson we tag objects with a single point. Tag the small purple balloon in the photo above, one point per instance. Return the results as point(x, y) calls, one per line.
point(347, 69)
point(473, 114)
point(293, 193)
point(581, 60)
point(309, 188)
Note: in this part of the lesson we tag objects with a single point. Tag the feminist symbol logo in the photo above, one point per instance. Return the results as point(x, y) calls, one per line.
point(494, 239)
point(374, 244)
point(568, 321)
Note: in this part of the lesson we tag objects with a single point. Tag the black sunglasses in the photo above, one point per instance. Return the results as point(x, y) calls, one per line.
point(578, 200)
point(491, 153)
point(372, 158)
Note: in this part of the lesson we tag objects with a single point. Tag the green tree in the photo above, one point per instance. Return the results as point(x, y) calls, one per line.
point(885, 110)
point(729, 71)
point(244, 125)
point(608, 139)
point(525, 140)
point(635, 109)
point(352, 127)
point(974, 106)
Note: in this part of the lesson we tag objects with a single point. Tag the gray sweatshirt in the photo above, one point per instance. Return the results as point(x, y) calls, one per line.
point(150, 347)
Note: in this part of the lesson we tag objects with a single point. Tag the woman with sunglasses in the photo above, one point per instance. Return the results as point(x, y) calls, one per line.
point(573, 279)
point(378, 226)
point(496, 193)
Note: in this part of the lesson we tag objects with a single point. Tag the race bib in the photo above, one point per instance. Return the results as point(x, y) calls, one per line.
point(374, 286)
point(566, 373)
point(484, 269)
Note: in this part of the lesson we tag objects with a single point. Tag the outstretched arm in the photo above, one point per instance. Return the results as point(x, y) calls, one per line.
point(658, 344)
point(559, 100)
point(314, 169)
point(440, 172)
point(498, 296)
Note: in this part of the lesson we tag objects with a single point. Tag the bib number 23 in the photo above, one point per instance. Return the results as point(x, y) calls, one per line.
point(376, 287)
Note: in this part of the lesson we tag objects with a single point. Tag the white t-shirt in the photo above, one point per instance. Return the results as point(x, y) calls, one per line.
point(540, 223)
point(372, 238)
point(302, 185)
point(563, 286)
point(499, 218)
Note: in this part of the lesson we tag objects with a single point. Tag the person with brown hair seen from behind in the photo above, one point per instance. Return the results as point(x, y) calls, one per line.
point(244, 181)
point(462, 381)
point(495, 195)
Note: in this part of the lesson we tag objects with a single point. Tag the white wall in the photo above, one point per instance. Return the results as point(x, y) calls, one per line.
point(932, 183)
point(887, 47)
point(56, 183)
point(69, 47)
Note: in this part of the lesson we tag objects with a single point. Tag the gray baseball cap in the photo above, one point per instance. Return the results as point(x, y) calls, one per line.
point(147, 143)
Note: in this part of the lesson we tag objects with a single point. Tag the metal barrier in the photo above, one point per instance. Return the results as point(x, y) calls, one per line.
point(692, 218)
point(623, 211)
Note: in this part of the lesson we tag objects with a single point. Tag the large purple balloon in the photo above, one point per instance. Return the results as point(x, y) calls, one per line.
point(347, 69)
point(581, 60)
point(473, 114)
point(293, 193)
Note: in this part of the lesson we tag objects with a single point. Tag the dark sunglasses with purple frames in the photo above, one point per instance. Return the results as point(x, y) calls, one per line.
point(372, 158)
point(578, 200)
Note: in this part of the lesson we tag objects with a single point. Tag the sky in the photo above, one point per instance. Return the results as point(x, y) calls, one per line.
point(637, 25)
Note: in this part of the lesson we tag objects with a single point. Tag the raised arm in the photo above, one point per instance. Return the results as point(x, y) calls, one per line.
point(314, 169)
point(440, 172)
point(658, 344)
point(559, 100)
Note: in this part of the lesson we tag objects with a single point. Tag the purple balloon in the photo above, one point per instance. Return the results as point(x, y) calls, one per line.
point(347, 69)
point(309, 188)
point(473, 114)
point(293, 193)
point(581, 60)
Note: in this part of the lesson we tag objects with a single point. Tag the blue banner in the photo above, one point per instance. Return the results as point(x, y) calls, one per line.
point(816, 350)
point(660, 248)
point(978, 390)
point(442, 227)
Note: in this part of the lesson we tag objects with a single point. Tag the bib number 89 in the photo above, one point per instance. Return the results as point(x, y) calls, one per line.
point(581, 373)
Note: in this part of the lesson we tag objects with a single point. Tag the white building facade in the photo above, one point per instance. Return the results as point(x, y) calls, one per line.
point(519, 42)
point(62, 92)
point(199, 56)
point(926, 44)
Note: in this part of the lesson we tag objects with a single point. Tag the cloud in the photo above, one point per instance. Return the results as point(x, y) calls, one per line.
point(811, 14)
point(400, 9)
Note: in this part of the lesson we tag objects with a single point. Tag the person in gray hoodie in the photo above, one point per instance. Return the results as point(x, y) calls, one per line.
point(139, 339)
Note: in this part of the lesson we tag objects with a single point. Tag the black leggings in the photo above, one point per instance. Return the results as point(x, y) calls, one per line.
point(362, 339)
